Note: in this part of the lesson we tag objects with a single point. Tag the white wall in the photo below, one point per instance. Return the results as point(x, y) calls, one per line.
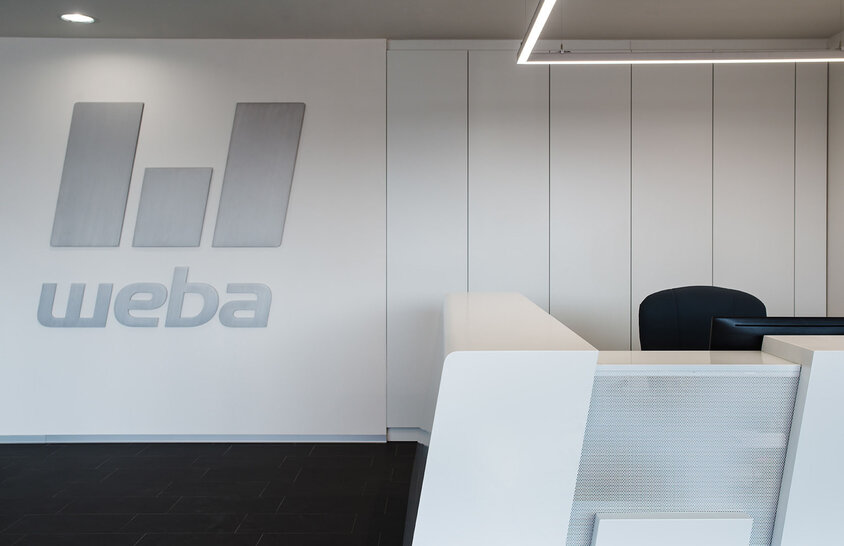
point(584, 188)
point(657, 177)
point(319, 366)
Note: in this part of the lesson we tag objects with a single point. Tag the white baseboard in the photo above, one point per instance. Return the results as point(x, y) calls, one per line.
point(189, 438)
point(406, 434)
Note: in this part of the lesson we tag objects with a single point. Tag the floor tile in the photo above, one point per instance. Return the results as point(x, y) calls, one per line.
point(43, 505)
point(13, 488)
point(141, 474)
point(381, 487)
point(184, 450)
point(225, 505)
point(114, 489)
point(401, 474)
point(279, 489)
point(119, 505)
point(77, 523)
point(334, 450)
point(208, 539)
point(405, 449)
point(379, 523)
point(298, 523)
point(65, 462)
point(267, 451)
point(331, 504)
point(184, 523)
point(390, 539)
point(26, 450)
point(80, 539)
point(235, 490)
point(118, 462)
point(6, 521)
point(240, 494)
point(242, 473)
point(338, 462)
point(334, 477)
point(287, 539)
point(39, 475)
point(396, 505)
point(266, 463)
point(97, 450)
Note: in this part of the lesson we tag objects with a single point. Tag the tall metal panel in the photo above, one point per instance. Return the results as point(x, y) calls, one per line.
point(753, 182)
point(810, 169)
point(672, 180)
point(835, 206)
point(426, 220)
point(97, 171)
point(259, 174)
point(508, 176)
point(590, 202)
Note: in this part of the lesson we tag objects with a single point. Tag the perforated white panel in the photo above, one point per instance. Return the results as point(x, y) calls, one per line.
point(684, 440)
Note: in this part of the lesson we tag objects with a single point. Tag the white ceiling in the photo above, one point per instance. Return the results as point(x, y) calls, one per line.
point(424, 19)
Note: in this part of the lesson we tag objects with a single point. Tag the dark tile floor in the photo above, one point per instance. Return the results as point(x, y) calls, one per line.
point(204, 494)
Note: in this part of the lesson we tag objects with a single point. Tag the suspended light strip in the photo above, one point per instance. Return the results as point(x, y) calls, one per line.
point(540, 17)
point(526, 54)
point(713, 57)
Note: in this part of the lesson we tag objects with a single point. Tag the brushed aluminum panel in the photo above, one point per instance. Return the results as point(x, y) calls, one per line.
point(96, 175)
point(674, 441)
point(172, 207)
point(259, 173)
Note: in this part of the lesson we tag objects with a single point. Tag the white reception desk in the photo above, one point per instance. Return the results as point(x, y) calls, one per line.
point(540, 439)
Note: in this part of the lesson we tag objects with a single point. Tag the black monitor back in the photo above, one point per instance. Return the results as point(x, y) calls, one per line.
point(746, 333)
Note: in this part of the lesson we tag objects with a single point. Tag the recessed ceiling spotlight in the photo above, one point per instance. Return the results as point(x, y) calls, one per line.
point(77, 18)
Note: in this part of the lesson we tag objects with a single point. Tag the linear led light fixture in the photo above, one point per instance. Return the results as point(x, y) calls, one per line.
point(526, 54)
point(540, 17)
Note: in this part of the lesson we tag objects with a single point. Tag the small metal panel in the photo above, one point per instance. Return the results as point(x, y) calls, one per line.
point(172, 207)
point(97, 171)
point(259, 173)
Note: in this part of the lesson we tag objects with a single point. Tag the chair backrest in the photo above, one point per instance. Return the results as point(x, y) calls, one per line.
point(681, 318)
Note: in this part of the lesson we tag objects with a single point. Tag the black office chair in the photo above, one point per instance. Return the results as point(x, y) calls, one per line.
point(681, 318)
